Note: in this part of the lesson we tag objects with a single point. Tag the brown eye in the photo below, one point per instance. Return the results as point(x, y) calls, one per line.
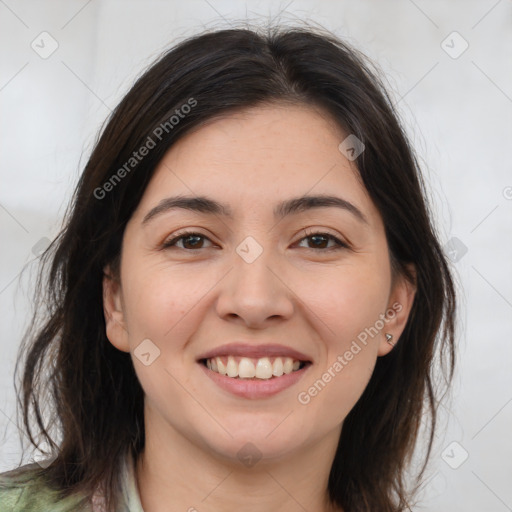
point(319, 241)
point(190, 240)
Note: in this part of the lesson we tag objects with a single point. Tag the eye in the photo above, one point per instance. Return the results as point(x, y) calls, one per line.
point(319, 240)
point(190, 238)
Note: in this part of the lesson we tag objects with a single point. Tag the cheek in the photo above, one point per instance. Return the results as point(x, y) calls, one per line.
point(336, 384)
point(160, 301)
point(163, 305)
point(346, 305)
point(346, 301)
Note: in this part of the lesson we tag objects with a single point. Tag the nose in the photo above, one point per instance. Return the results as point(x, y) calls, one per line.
point(255, 293)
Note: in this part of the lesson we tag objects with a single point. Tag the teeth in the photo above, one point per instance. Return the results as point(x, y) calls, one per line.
point(263, 368)
point(221, 367)
point(277, 369)
point(246, 368)
point(232, 367)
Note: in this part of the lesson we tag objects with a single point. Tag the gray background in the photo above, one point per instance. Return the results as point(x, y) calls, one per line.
point(457, 108)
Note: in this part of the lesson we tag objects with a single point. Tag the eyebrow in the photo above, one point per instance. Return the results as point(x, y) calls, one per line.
point(203, 204)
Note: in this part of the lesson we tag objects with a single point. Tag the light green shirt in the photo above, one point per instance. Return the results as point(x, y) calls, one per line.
point(25, 493)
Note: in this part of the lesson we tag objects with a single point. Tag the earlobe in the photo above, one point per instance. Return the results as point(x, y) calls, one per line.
point(116, 330)
point(399, 308)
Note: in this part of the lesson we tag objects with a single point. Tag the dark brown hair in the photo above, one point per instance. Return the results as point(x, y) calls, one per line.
point(91, 389)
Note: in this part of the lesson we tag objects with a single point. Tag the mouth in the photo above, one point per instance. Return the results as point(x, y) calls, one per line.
point(254, 371)
point(244, 378)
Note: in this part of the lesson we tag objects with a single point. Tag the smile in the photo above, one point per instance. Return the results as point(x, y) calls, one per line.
point(253, 368)
point(255, 387)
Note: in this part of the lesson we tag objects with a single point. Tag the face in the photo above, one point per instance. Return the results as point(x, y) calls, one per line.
point(315, 279)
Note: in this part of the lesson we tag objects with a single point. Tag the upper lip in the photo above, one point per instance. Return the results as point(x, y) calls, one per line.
point(255, 351)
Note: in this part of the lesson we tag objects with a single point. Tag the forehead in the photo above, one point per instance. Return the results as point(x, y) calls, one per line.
point(258, 157)
point(259, 138)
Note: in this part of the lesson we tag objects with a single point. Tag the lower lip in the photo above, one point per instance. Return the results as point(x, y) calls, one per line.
point(255, 388)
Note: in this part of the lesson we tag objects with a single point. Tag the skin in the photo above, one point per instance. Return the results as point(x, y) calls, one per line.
point(188, 300)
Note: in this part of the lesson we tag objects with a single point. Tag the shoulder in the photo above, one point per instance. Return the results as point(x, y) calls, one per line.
point(25, 490)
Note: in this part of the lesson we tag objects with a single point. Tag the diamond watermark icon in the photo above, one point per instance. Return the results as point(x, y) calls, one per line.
point(43, 461)
point(455, 249)
point(454, 45)
point(44, 45)
point(147, 352)
point(351, 147)
point(249, 250)
point(40, 246)
point(249, 455)
point(454, 455)
point(43, 455)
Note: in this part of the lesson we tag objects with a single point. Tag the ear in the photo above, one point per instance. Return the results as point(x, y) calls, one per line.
point(113, 310)
point(400, 303)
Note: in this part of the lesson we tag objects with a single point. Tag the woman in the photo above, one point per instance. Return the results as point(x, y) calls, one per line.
point(247, 298)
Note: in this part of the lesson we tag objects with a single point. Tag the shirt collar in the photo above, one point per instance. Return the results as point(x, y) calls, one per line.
point(130, 497)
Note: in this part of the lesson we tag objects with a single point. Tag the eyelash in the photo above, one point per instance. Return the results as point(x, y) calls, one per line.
point(185, 234)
